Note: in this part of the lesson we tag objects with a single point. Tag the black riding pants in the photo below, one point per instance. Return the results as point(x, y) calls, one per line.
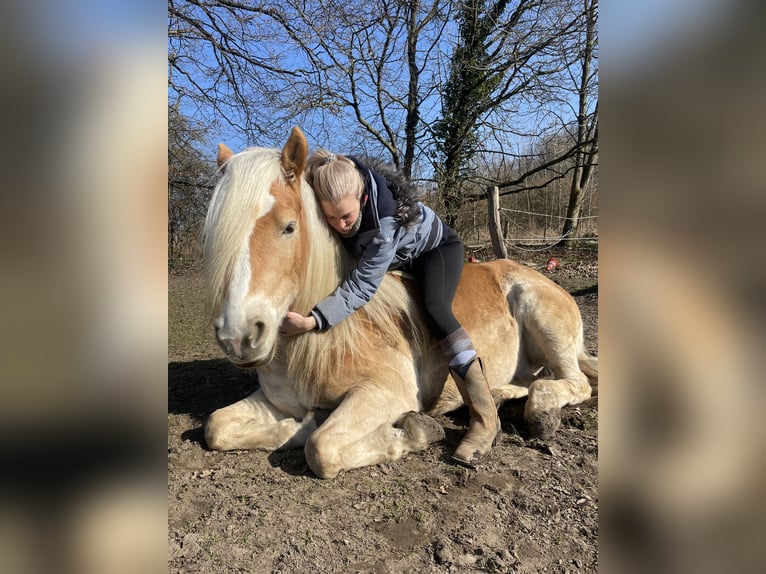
point(437, 273)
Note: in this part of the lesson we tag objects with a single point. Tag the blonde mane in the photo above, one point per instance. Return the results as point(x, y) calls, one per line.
point(315, 357)
point(239, 194)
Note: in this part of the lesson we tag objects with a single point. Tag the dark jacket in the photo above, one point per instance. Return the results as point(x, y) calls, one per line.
point(395, 230)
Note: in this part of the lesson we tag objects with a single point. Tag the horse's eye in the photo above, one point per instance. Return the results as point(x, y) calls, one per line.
point(289, 228)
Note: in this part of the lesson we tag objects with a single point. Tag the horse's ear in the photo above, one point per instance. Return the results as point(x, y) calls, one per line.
point(294, 154)
point(224, 153)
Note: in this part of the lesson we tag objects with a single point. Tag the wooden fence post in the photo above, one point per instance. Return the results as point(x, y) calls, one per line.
point(495, 229)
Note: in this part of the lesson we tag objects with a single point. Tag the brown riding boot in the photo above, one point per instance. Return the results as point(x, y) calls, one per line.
point(485, 424)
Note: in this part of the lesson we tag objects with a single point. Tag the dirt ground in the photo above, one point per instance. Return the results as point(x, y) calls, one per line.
point(531, 507)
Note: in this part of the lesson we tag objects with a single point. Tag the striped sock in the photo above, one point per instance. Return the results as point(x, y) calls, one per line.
point(458, 348)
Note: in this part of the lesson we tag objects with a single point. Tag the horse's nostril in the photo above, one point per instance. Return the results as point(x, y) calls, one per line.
point(258, 330)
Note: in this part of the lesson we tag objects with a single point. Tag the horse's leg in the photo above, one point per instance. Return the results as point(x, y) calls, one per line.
point(507, 393)
point(254, 423)
point(370, 426)
point(551, 336)
point(542, 412)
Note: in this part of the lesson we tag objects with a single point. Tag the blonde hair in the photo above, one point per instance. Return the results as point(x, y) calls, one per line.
point(333, 177)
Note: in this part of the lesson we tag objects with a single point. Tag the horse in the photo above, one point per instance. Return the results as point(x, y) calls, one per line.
point(366, 391)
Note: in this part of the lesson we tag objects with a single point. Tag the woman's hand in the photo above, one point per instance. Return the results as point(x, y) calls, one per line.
point(296, 324)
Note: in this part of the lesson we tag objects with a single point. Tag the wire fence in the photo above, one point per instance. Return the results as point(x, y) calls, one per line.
point(531, 222)
point(547, 215)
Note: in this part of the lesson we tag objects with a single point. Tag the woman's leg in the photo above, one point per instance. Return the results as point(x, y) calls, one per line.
point(438, 273)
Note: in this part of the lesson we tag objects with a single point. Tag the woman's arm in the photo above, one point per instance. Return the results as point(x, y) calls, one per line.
point(356, 290)
point(363, 281)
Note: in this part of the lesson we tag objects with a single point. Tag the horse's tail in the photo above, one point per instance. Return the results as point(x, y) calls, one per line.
point(588, 364)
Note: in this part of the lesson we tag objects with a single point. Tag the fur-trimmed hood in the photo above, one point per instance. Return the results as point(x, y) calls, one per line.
point(404, 192)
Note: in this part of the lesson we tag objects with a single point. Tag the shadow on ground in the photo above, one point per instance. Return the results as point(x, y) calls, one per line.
point(199, 387)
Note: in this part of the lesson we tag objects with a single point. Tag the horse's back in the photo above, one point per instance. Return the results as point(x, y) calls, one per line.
point(508, 273)
point(507, 307)
point(493, 286)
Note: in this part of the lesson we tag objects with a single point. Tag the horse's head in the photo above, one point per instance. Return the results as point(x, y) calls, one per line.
point(256, 245)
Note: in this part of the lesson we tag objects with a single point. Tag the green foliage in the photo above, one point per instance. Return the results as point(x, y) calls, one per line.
point(467, 95)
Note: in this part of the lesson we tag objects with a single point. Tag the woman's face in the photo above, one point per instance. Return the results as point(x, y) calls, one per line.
point(342, 215)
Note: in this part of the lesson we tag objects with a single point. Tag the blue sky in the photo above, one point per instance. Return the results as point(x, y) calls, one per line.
point(633, 34)
point(237, 140)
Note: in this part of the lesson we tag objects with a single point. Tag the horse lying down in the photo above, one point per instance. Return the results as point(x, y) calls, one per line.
point(381, 377)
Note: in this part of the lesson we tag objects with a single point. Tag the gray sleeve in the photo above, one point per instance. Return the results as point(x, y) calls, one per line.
point(363, 281)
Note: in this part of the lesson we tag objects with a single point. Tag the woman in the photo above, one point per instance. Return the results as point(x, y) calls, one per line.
point(380, 220)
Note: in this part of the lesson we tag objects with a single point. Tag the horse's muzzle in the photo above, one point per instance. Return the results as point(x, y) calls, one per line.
point(250, 350)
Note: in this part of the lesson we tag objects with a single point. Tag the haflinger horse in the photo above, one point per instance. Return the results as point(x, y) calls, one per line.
point(379, 374)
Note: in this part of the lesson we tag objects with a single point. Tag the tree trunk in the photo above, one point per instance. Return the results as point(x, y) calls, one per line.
point(587, 134)
point(576, 195)
point(411, 120)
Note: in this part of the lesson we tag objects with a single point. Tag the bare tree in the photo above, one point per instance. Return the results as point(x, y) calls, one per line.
point(353, 73)
point(189, 186)
point(506, 52)
point(222, 63)
point(469, 107)
point(423, 34)
point(586, 155)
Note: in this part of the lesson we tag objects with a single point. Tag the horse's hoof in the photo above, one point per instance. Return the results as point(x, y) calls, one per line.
point(543, 424)
point(422, 429)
